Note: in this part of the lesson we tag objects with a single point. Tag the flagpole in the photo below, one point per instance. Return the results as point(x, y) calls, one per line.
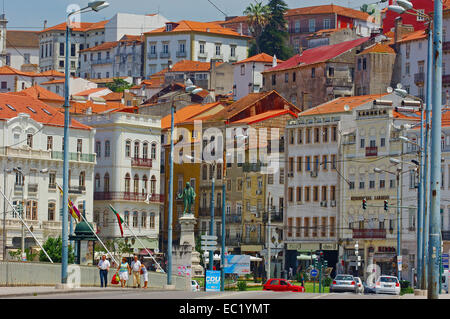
point(99, 240)
point(28, 228)
point(143, 246)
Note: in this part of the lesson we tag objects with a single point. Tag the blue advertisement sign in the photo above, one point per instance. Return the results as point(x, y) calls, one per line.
point(212, 280)
point(237, 264)
point(445, 262)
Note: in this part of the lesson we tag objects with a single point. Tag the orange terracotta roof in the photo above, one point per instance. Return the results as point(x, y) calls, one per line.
point(114, 96)
point(390, 34)
point(192, 66)
point(193, 26)
point(108, 80)
point(417, 35)
point(82, 107)
point(265, 116)
point(90, 91)
point(38, 111)
point(330, 8)
point(262, 57)
point(102, 47)
point(337, 105)
point(320, 32)
point(379, 48)
point(59, 81)
point(53, 73)
point(7, 70)
point(79, 27)
point(38, 92)
point(186, 113)
point(238, 19)
point(403, 116)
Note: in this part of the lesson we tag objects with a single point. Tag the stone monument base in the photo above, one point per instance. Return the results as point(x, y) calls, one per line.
point(187, 237)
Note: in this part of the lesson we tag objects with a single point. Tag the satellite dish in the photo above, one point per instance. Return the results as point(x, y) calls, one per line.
point(390, 90)
point(346, 108)
point(399, 86)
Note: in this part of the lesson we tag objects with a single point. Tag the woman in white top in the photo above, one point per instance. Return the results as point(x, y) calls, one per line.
point(124, 269)
point(144, 273)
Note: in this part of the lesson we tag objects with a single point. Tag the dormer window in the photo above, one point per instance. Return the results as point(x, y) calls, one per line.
point(170, 26)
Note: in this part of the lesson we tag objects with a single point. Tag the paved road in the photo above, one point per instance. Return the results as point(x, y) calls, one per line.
point(266, 295)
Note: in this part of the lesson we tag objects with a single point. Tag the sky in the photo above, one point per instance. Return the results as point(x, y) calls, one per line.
point(30, 14)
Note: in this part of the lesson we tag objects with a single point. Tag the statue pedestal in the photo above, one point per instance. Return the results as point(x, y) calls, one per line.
point(187, 223)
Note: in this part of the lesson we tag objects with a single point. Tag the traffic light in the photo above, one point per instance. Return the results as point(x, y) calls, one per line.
point(386, 205)
point(364, 203)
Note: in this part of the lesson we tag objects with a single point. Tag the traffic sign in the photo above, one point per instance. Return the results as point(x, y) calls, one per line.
point(209, 237)
point(209, 243)
point(209, 248)
point(313, 273)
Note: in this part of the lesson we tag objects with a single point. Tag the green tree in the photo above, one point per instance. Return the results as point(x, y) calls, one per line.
point(53, 246)
point(119, 85)
point(274, 39)
point(258, 16)
point(198, 247)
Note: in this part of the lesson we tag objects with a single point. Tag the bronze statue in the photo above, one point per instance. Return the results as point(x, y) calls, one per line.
point(188, 196)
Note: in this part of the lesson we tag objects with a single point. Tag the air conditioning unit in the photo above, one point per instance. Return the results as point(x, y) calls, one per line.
point(323, 203)
point(313, 173)
point(333, 203)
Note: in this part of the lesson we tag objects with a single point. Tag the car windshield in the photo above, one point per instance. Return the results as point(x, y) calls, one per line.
point(388, 279)
point(344, 277)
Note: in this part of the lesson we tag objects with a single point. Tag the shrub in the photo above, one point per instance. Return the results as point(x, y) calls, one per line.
point(404, 284)
point(327, 282)
point(408, 290)
point(242, 286)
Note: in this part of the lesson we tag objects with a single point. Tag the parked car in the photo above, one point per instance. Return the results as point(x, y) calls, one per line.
point(343, 283)
point(387, 285)
point(359, 285)
point(195, 286)
point(276, 284)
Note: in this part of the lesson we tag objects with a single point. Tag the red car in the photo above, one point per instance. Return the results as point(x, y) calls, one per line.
point(276, 284)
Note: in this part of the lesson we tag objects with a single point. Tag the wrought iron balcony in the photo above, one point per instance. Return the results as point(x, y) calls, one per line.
point(181, 54)
point(79, 157)
point(32, 188)
point(206, 211)
point(101, 61)
point(128, 196)
point(153, 55)
point(141, 162)
point(419, 78)
point(369, 233)
point(233, 219)
point(77, 189)
point(164, 55)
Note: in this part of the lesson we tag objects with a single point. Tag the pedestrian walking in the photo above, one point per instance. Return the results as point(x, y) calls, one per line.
point(302, 280)
point(136, 269)
point(144, 274)
point(290, 273)
point(103, 265)
point(124, 269)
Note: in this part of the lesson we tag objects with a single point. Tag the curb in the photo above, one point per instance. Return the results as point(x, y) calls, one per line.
point(67, 291)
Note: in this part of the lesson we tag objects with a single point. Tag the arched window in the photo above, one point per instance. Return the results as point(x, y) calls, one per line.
point(145, 150)
point(152, 220)
point(153, 185)
point(106, 183)
point(144, 186)
point(51, 210)
point(82, 179)
point(136, 184)
point(135, 219)
point(97, 182)
point(128, 148)
point(126, 217)
point(107, 149)
point(153, 151)
point(136, 149)
point(127, 183)
point(144, 220)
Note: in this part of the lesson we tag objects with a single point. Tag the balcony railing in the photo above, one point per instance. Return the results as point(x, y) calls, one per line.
point(252, 167)
point(101, 61)
point(79, 157)
point(252, 241)
point(51, 186)
point(152, 55)
point(233, 219)
point(164, 55)
point(128, 196)
point(141, 162)
point(371, 151)
point(202, 54)
point(181, 54)
point(206, 211)
point(346, 82)
point(369, 233)
point(32, 188)
point(419, 77)
point(77, 189)
point(18, 188)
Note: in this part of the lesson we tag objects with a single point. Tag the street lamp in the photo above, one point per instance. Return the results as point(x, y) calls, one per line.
point(92, 6)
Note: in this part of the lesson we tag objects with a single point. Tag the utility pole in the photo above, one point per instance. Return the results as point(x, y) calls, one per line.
point(268, 238)
point(435, 227)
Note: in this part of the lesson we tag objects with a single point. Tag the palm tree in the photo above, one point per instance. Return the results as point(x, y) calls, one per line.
point(257, 17)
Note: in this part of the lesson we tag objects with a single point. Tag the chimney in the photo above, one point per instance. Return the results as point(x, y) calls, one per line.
point(397, 27)
point(45, 24)
point(274, 61)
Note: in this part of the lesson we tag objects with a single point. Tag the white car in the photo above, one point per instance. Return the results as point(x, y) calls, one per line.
point(195, 286)
point(387, 285)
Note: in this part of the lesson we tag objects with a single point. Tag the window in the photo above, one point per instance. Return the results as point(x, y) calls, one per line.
point(407, 69)
point(289, 227)
point(316, 193)
point(308, 135)
point(128, 148)
point(364, 63)
point(333, 162)
point(290, 194)
point(52, 180)
point(49, 143)
point(79, 146)
point(299, 164)
point(97, 183)
point(202, 47)
point(51, 211)
point(82, 179)
point(281, 176)
point(306, 226)
point(307, 193)
point(107, 149)
point(30, 140)
point(153, 151)
point(326, 24)
point(325, 134)
point(286, 77)
point(313, 73)
point(274, 79)
point(126, 217)
point(382, 142)
point(152, 221)
point(218, 47)
point(299, 194)
point(73, 49)
point(233, 51)
point(316, 135)
point(312, 25)
point(106, 183)
point(61, 49)
point(323, 232)
point(127, 183)
point(308, 163)
point(332, 226)
point(243, 69)
point(98, 148)
point(333, 193)
point(334, 133)
point(144, 220)
point(135, 220)
point(325, 162)
point(298, 226)
point(362, 143)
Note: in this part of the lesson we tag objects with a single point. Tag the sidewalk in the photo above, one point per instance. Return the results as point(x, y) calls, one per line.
point(8, 292)
point(412, 296)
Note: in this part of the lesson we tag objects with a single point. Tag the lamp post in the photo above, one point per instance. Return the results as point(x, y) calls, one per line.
point(92, 6)
point(194, 90)
point(5, 171)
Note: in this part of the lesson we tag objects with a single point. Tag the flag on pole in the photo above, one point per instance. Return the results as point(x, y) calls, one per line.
point(72, 208)
point(119, 219)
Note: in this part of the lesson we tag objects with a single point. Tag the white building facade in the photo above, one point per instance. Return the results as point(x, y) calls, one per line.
point(127, 174)
point(196, 41)
point(36, 148)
